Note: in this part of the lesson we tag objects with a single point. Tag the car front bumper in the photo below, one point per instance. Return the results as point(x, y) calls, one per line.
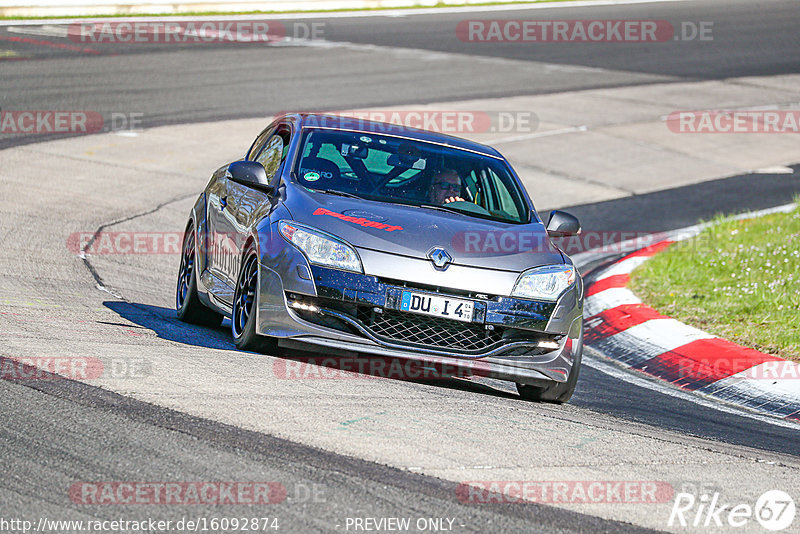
point(327, 311)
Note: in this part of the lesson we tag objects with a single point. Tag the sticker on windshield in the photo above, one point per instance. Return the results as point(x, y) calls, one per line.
point(365, 139)
point(311, 176)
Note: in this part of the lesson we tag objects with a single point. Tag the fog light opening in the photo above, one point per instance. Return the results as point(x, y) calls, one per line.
point(552, 345)
point(297, 305)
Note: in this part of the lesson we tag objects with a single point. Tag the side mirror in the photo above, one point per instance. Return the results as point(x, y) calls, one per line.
point(562, 224)
point(250, 173)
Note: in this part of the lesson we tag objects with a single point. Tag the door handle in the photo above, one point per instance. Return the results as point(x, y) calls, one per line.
point(223, 202)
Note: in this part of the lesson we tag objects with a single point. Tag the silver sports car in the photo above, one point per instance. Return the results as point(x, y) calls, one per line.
point(339, 235)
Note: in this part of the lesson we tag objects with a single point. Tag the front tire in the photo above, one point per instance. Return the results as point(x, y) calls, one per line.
point(558, 392)
point(188, 307)
point(245, 300)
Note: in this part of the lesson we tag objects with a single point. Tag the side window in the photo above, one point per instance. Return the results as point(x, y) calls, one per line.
point(258, 144)
point(272, 155)
point(505, 199)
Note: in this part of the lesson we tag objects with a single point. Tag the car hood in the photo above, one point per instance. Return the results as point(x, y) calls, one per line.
point(414, 232)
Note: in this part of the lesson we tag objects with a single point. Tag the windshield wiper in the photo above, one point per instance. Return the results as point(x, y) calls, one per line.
point(443, 208)
point(338, 193)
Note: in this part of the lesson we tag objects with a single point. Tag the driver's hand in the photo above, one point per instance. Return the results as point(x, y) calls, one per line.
point(453, 199)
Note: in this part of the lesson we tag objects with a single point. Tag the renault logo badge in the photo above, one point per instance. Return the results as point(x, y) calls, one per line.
point(440, 258)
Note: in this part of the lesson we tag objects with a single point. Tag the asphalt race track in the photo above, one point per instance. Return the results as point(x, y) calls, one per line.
point(342, 449)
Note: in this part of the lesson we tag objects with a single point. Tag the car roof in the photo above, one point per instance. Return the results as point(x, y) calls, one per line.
point(322, 120)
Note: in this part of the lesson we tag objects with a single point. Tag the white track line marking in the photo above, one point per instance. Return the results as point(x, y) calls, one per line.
point(778, 169)
point(665, 334)
point(536, 135)
point(47, 30)
point(607, 299)
point(640, 343)
point(623, 267)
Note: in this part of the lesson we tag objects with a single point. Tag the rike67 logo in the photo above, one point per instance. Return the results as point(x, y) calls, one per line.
point(774, 510)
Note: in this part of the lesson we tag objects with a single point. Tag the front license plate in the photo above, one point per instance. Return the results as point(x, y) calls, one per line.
point(446, 307)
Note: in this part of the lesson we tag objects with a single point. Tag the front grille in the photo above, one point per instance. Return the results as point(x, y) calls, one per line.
point(430, 332)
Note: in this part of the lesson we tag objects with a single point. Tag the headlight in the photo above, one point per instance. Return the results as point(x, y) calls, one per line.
point(544, 283)
point(321, 248)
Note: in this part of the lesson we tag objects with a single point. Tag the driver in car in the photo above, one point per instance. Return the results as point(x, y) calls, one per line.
point(445, 188)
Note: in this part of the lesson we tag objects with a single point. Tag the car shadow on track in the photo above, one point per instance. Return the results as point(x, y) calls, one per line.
point(297, 364)
point(308, 365)
point(166, 325)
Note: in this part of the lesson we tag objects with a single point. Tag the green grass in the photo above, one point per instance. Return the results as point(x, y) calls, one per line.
point(739, 280)
point(321, 11)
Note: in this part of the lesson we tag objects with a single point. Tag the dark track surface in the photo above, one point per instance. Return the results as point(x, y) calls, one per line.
point(39, 439)
point(684, 206)
point(203, 82)
point(748, 40)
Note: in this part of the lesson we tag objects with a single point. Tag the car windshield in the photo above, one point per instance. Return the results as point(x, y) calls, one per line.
point(403, 171)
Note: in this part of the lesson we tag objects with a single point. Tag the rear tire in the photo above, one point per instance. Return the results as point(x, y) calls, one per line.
point(188, 307)
point(557, 392)
point(245, 302)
